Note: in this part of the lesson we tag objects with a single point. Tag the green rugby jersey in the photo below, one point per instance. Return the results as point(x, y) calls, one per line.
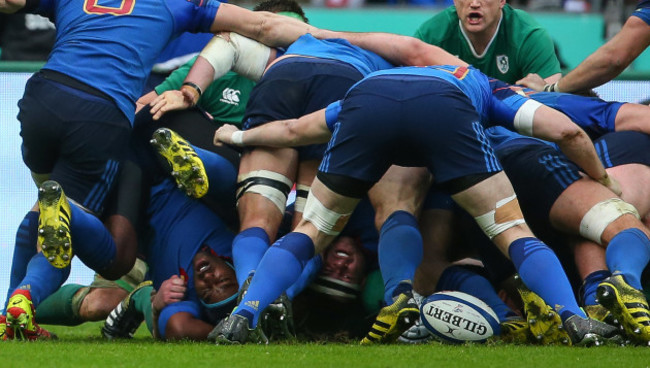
point(520, 46)
point(225, 99)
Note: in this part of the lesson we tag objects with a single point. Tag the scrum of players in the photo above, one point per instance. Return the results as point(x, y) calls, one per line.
point(292, 182)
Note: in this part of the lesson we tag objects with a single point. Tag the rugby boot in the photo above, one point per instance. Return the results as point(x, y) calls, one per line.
point(590, 332)
point(3, 327)
point(544, 323)
point(54, 224)
point(393, 320)
point(278, 320)
point(416, 334)
point(628, 305)
point(187, 169)
point(20, 323)
point(233, 330)
point(600, 313)
point(123, 321)
point(516, 331)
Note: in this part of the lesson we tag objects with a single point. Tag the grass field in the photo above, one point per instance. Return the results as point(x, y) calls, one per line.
point(82, 347)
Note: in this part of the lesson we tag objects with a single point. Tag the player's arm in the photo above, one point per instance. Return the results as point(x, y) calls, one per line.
point(552, 125)
point(224, 52)
point(609, 60)
point(268, 28)
point(11, 6)
point(184, 325)
point(308, 129)
point(397, 49)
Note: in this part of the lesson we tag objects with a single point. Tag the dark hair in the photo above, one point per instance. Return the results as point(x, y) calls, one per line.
point(277, 6)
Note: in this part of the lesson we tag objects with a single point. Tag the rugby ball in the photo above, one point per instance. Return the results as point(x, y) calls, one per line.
point(457, 317)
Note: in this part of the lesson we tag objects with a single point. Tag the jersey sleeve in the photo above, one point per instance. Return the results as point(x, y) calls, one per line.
point(193, 15)
point(186, 306)
point(332, 114)
point(504, 105)
point(537, 54)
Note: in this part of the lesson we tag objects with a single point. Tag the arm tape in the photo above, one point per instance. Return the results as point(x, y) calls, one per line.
point(242, 55)
point(523, 121)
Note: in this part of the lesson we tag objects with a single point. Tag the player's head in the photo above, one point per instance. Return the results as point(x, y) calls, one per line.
point(215, 282)
point(478, 16)
point(344, 269)
point(289, 8)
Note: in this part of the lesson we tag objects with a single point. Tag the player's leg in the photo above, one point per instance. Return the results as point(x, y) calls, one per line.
point(493, 204)
point(266, 177)
point(326, 213)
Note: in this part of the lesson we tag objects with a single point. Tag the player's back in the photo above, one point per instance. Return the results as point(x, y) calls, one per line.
point(469, 80)
point(338, 49)
point(113, 46)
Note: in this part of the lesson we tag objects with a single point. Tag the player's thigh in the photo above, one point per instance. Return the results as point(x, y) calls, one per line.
point(400, 189)
point(265, 179)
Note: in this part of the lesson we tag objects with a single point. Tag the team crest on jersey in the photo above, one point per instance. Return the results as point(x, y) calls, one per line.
point(230, 96)
point(503, 64)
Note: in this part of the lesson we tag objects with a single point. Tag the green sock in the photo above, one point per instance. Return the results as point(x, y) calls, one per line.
point(59, 309)
point(142, 302)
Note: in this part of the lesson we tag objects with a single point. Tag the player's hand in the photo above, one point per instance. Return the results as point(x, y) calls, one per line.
point(613, 184)
point(533, 81)
point(168, 101)
point(171, 290)
point(223, 135)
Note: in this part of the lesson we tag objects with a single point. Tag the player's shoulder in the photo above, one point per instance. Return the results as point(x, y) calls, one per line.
point(519, 19)
point(438, 27)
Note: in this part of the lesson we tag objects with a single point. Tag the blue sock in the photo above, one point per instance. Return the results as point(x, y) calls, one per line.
point(628, 253)
point(542, 272)
point(589, 286)
point(400, 251)
point(43, 279)
point(308, 274)
point(459, 278)
point(24, 250)
point(222, 175)
point(279, 269)
point(91, 241)
point(248, 248)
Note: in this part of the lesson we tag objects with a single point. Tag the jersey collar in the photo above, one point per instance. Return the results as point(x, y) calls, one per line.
point(469, 43)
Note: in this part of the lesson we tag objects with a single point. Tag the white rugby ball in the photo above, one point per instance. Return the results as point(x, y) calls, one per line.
point(457, 317)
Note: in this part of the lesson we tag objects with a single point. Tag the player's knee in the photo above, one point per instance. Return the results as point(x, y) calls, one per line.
point(602, 215)
point(506, 215)
point(324, 220)
point(270, 185)
point(302, 191)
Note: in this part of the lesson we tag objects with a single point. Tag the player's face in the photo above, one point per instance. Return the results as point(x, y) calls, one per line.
point(478, 16)
point(343, 260)
point(214, 280)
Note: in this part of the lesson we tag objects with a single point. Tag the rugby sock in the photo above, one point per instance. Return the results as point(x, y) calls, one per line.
point(91, 241)
point(400, 252)
point(222, 175)
point(589, 286)
point(58, 308)
point(248, 248)
point(279, 269)
point(628, 253)
point(308, 274)
point(24, 249)
point(141, 299)
point(42, 278)
point(460, 278)
point(542, 272)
